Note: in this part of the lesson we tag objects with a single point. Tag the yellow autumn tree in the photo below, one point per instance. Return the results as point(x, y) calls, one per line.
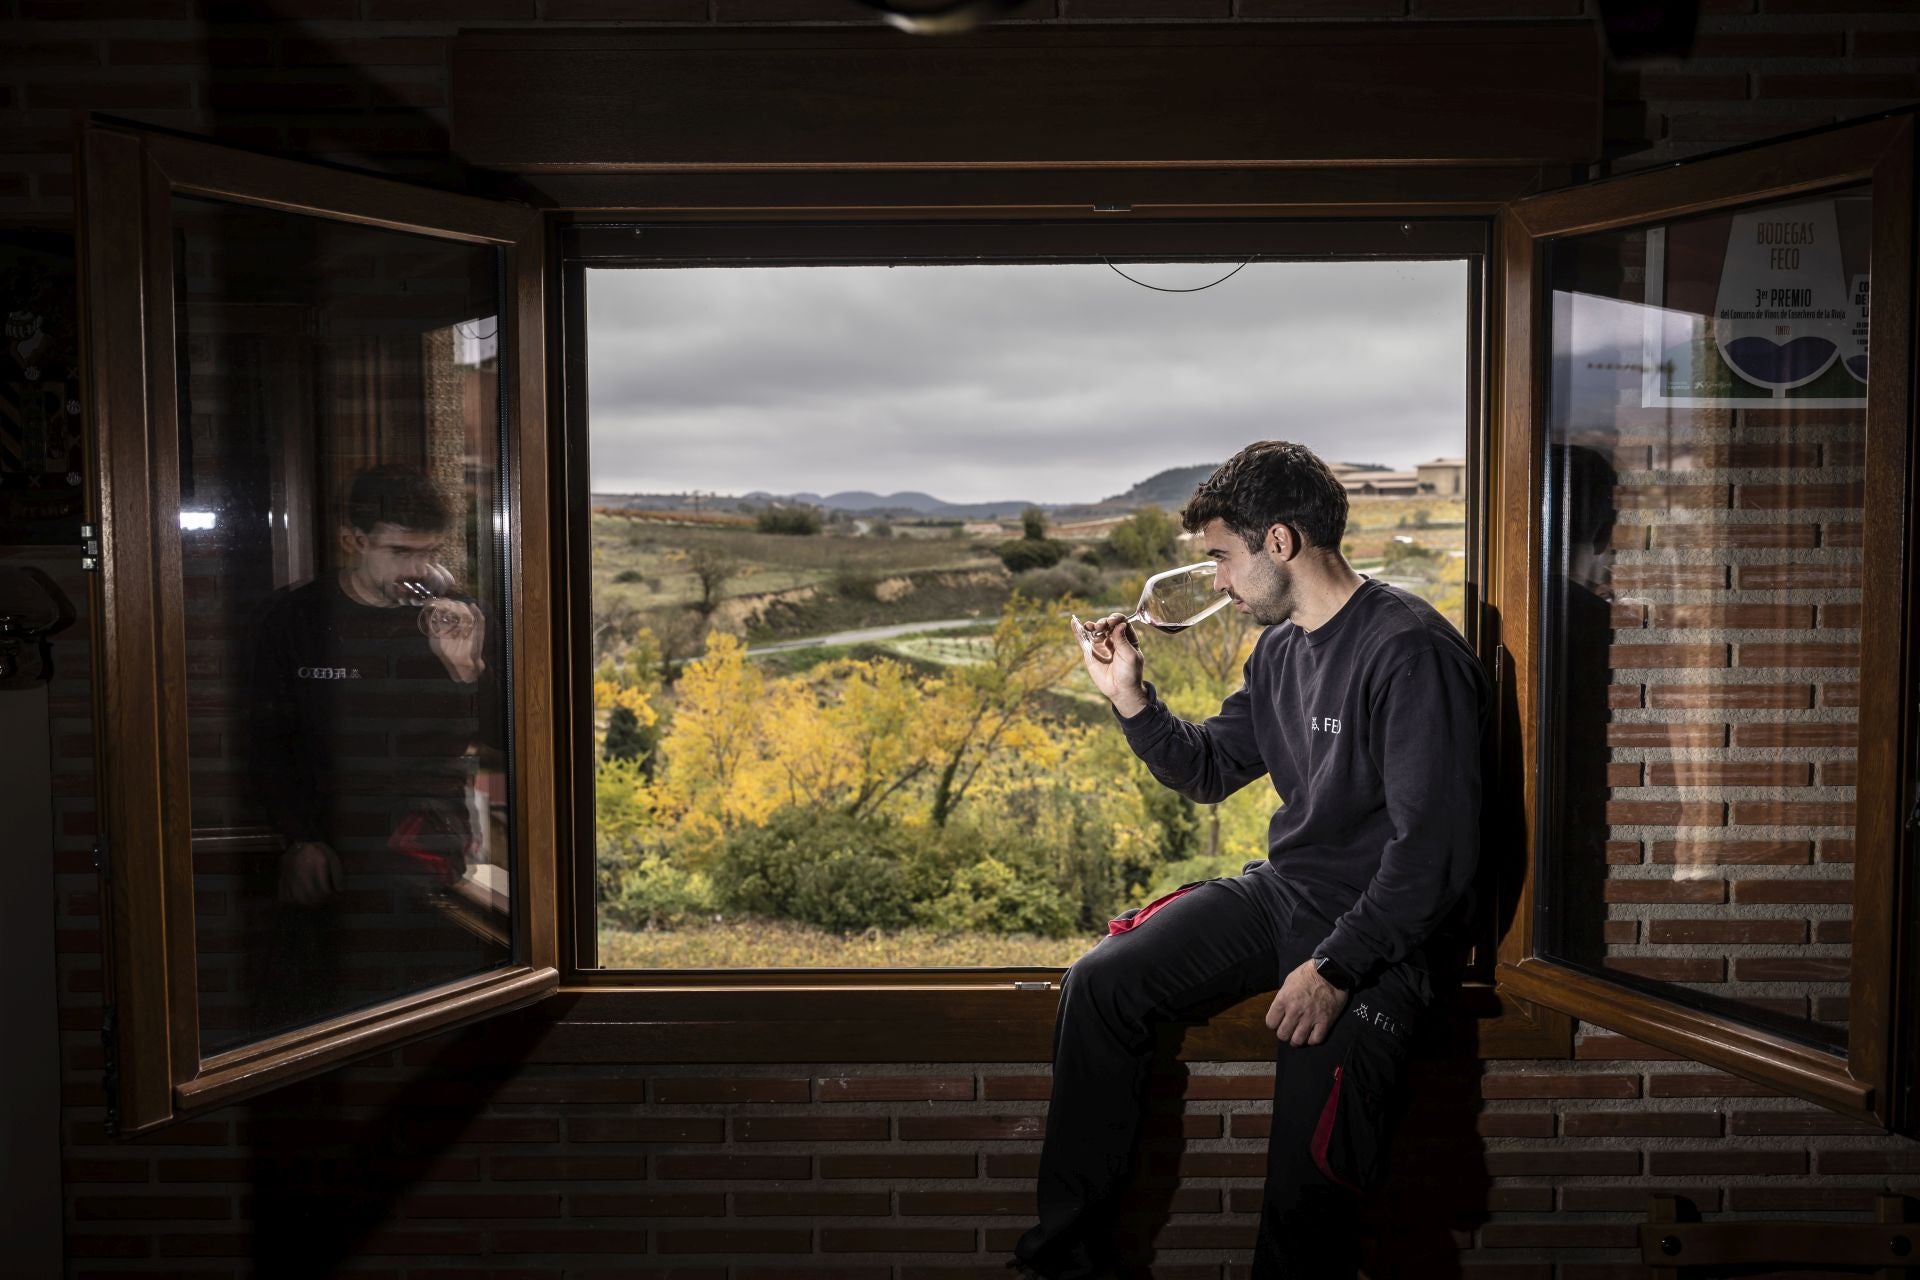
point(847, 735)
point(975, 712)
point(629, 679)
point(715, 774)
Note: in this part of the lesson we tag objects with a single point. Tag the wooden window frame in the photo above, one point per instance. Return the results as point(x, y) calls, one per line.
point(948, 1015)
point(1421, 148)
point(156, 1069)
point(1872, 1080)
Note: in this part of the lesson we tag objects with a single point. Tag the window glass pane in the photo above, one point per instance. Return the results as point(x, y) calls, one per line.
point(840, 518)
point(1703, 507)
point(339, 467)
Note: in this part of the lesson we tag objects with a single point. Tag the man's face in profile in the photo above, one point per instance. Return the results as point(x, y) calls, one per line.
point(388, 555)
point(1261, 586)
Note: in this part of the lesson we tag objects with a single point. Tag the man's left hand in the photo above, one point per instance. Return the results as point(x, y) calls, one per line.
point(1306, 1007)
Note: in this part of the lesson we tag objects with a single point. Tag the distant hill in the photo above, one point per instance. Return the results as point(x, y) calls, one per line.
point(1170, 488)
point(1167, 489)
point(907, 503)
point(924, 504)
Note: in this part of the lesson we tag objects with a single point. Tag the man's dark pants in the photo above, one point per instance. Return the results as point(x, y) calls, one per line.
point(1333, 1103)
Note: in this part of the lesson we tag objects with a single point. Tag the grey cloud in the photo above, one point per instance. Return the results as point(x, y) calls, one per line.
point(1060, 383)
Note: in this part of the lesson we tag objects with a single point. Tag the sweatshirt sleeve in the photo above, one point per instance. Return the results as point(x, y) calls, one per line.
point(1427, 722)
point(1204, 762)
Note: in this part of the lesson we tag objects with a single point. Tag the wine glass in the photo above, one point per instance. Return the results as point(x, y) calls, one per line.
point(430, 593)
point(1170, 601)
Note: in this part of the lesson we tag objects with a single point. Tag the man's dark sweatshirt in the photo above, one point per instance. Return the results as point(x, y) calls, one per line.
point(1370, 727)
point(358, 730)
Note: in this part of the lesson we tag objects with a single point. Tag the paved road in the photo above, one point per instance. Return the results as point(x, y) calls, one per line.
point(865, 636)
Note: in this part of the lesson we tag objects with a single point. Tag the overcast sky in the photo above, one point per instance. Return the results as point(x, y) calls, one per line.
point(1050, 383)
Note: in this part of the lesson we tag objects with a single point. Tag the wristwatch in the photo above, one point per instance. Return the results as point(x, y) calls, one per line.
point(1334, 974)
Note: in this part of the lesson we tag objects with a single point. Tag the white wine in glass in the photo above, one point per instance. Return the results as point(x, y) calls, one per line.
point(1170, 601)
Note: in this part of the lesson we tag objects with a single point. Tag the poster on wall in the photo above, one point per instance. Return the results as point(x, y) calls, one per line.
point(40, 425)
point(1761, 308)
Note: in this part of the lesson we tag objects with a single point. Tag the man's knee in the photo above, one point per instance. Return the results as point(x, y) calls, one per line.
point(1105, 984)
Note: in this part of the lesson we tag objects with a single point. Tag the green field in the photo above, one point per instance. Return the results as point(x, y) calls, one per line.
point(1373, 523)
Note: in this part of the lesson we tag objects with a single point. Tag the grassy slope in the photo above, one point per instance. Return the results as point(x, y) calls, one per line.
point(779, 944)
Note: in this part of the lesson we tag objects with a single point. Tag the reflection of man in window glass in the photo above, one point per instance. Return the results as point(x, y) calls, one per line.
point(372, 695)
point(1582, 482)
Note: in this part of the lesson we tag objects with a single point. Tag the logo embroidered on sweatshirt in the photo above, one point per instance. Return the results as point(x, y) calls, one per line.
point(1324, 724)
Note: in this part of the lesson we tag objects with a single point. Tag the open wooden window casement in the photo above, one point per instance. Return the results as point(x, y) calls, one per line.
point(262, 332)
point(1707, 583)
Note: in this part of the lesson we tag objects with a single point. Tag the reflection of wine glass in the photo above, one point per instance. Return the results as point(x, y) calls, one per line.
point(1170, 601)
point(430, 593)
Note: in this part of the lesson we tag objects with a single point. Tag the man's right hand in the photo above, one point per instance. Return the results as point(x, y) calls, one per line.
point(1113, 661)
point(310, 874)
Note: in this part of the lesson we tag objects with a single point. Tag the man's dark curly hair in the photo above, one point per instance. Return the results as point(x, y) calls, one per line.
point(1267, 483)
point(397, 495)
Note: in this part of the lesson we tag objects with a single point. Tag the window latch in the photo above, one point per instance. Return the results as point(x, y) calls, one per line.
point(89, 548)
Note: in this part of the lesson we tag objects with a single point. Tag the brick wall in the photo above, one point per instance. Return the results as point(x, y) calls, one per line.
point(484, 1155)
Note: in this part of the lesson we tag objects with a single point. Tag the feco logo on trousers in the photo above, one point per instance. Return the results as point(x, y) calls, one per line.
point(328, 673)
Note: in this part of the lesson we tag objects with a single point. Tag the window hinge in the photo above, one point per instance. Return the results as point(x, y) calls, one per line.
point(89, 548)
point(102, 864)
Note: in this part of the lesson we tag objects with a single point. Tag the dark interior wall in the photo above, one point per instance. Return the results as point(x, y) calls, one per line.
point(499, 1153)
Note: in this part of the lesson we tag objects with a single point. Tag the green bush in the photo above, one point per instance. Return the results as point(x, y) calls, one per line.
point(851, 874)
point(989, 896)
point(653, 893)
point(629, 575)
point(850, 890)
point(820, 868)
point(1032, 553)
point(1068, 578)
point(1409, 557)
point(798, 521)
point(1147, 539)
